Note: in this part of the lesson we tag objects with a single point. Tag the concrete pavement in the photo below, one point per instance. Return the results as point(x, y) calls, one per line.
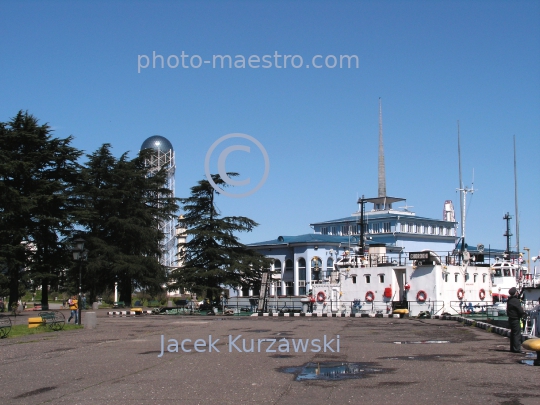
point(118, 363)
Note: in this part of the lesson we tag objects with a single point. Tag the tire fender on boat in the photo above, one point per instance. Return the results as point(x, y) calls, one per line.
point(370, 296)
point(460, 294)
point(482, 294)
point(421, 296)
point(321, 296)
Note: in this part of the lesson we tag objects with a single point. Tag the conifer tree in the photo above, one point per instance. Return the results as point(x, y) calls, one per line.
point(122, 206)
point(213, 258)
point(37, 173)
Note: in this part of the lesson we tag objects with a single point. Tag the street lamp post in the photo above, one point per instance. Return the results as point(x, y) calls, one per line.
point(79, 254)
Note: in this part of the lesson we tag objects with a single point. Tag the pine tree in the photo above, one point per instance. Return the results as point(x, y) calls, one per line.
point(213, 258)
point(37, 173)
point(122, 206)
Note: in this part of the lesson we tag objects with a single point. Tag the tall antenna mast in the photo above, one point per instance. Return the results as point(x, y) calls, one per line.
point(463, 195)
point(382, 175)
point(516, 197)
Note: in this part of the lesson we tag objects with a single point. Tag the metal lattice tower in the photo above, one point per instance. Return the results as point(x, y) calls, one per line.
point(163, 157)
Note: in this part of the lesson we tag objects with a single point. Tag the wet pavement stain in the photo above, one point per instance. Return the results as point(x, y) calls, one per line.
point(422, 342)
point(531, 360)
point(333, 371)
point(35, 392)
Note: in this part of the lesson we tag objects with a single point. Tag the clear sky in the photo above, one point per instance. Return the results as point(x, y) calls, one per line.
point(76, 65)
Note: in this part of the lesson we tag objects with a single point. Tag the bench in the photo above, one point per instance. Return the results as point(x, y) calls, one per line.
point(119, 304)
point(5, 327)
point(54, 320)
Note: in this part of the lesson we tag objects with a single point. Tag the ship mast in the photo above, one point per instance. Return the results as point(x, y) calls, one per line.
point(463, 197)
point(382, 174)
point(516, 197)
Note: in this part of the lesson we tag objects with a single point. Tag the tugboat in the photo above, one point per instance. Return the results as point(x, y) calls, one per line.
point(381, 279)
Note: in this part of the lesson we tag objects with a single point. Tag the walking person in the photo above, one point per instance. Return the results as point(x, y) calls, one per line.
point(515, 312)
point(74, 306)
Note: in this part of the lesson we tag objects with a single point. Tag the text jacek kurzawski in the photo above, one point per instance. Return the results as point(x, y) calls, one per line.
point(237, 344)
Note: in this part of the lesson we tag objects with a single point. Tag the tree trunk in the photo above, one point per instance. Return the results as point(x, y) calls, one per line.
point(45, 294)
point(124, 288)
point(13, 285)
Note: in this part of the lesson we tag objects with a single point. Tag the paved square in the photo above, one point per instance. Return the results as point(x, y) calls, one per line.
point(118, 363)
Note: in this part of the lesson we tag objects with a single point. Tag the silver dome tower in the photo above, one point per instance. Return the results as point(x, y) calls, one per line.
point(163, 157)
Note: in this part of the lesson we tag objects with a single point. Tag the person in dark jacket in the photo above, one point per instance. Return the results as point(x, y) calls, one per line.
point(515, 312)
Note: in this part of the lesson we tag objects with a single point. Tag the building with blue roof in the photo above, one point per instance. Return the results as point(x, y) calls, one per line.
point(300, 260)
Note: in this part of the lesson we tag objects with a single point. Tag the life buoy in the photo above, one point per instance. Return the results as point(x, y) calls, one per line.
point(421, 296)
point(482, 294)
point(460, 294)
point(370, 296)
point(321, 296)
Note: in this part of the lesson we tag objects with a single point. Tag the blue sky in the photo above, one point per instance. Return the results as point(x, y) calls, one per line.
point(74, 65)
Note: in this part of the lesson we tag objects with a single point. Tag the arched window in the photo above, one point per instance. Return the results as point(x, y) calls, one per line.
point(301, 276)
point(288, 278)
point(316, 268)
point(277, 266)
point(329, 266)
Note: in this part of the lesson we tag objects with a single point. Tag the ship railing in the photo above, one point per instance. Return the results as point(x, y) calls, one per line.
point(427, 307)
point(478, 309)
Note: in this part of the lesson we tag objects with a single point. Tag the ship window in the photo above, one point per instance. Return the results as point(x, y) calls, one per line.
point(381, 278)
point(498, 273)
point(506, 272)
point(354, 279)
point(456, 277)
point(386, 227)
point(368, 278)
point(445, 276)
point(466, 276)
point(475, 277)
point(483, 278)
point(334, 230)
point(324, 231)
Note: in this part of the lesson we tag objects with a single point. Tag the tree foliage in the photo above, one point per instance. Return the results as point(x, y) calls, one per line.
point(121, 208)
point(37, 172)
point(213, 257)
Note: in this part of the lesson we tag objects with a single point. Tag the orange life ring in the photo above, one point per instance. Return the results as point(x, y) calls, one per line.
point(460, 294)
point(421, 296)
point(482, 294)
point(321, 296)
point(370, 296)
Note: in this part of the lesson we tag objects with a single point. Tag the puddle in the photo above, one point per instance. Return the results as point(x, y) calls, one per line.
point(422, 341)
point(420, 357)
point(333, 371)
point(531, 360)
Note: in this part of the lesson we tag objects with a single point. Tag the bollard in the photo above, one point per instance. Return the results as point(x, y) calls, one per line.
point(95, 306)
point(90, 320)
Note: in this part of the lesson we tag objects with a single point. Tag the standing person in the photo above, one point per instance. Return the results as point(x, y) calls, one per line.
point(74, 306)
point(515, 312)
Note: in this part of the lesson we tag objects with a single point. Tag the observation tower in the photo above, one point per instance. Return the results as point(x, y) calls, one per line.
point(163, 157)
